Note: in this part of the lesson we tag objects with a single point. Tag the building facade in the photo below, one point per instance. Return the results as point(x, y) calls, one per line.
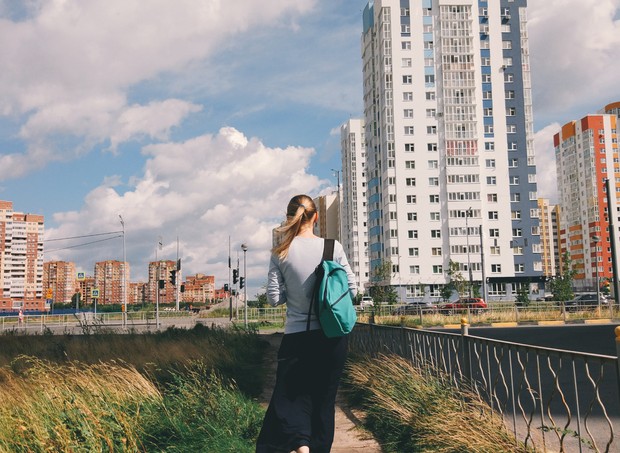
point(61, 278)
point(328, 208)
point(451, 178)
point(547, 239)
point(160, 271)
point(199, 288)
point(353, 214)
point(21, 259)
point(586, 153)
point(111, 276)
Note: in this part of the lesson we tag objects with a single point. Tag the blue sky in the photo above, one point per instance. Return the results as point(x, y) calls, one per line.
point(200, 118)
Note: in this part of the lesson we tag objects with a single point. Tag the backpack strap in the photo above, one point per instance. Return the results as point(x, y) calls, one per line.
point(328, 255)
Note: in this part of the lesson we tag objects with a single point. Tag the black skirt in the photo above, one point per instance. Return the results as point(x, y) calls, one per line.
point(301, 410)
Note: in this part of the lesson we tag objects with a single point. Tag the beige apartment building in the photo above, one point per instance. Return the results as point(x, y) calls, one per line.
point(198, 288)
point(160, 271)
point(548, 240)
point(21, 259)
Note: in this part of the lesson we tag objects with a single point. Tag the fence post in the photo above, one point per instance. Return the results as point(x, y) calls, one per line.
point(617, 332)
point(465, 348)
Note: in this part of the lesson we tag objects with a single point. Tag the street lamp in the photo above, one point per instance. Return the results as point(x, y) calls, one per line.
point(124, 273)
point(468, 213)
point(337, 174)
point(596, 240)
point(244, 247)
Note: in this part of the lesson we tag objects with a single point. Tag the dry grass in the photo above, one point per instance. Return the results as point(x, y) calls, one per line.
point(414, 411)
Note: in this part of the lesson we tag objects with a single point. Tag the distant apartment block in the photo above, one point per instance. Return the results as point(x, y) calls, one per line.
point(547, 238)
point(60, 278)
point(586, 153)
point(160, 271)
point(21, 259)
point(138, 293)
point(354, 214)
point(199, 288)
point(86, 287)
point(328, 225)
point(110, 278)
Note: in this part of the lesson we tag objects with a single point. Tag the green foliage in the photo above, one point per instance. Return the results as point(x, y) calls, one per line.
point(562, 285)
point(456, 279)
point(381, 290)
point(523, 295)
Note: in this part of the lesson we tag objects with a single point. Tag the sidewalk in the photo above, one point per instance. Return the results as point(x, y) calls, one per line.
point(349, 436)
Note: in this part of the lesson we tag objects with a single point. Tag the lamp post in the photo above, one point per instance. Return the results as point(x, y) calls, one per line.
point(467, 214)
point(244, 247)
point(124, 273)
point(337, 174)
point(596, 240)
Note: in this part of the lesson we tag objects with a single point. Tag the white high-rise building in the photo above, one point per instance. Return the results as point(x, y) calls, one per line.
point(451, 175)
point(354, 236)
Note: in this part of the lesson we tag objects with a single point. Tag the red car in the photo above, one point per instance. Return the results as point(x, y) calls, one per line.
point(475, 304)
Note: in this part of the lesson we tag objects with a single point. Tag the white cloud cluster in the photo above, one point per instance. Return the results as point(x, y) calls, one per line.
point(204, 191)
point(68, 65)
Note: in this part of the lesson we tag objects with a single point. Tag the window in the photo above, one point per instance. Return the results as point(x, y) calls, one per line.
point(414, 251)
point(515, 197)
point(412, 199)
point(511, 128)
point(430, 95)
point(496, 268)
point(487, 95)
point(435, 216)
point(489, 146)
point(412, 234)
point(510, 94)
point(512, 146)
point(493, 215)
point(405, 45)
point(437, 269)
point(486, 61)
point(488, 111)
point(507, 62)
point(511, 111)
point(430, 113)
point(488, 128)
point(519, 267)
point(429, 79)
point(404, 11)
point(508, 77)
point(408, 96)
point(486, 78)
point(515, 215)
point(407, 79)
point(410, 182)
point(514, 180)
point(408, 130)
point(492, 198)
point(505, 28)
point(431, 130)
point(431, 147)
point(433, 198)
point(410, 164)
point(393, 233)
point(491, 181)
point(412, 216)
point(415, 269)
point(408, 113)
point(506, 44)
point(495, 250)
point(405, 29)
point(494, 232)
point(433, 164)
point(490, 163)
point(513, 162)
point(435, 234)
point(517, 232)
point(433, 181)
point(409, 147)
point(436, 251)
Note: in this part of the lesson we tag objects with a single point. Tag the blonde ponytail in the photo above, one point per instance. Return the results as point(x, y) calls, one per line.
point(300, 211)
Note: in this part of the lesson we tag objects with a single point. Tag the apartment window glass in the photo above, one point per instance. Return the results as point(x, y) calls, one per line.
point(496, 268)
point(411, 199)
point(435, 216)
point(435, 234)
point(407, 96)
point(410, 164)
point(409, 147)
point(410, 182)
point(408, 130)
point(412, 234)
point(408, 113)
point(407, 79)
point(433, 198)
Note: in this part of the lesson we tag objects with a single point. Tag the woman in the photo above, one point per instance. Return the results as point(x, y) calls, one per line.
point(300, 416)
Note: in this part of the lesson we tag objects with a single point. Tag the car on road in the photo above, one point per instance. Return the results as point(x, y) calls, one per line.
point(475, 304)
point(585, 301)
point(414, 308)
point(366, 301)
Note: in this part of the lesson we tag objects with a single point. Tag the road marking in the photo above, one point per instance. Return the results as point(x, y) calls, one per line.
point(504, 324)
point(550, 323)
point(597, 321)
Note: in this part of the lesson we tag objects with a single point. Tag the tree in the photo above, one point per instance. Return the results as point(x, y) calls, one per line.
point(562, 285)
point(456, 279)
point(523, 294)
point(381, 290)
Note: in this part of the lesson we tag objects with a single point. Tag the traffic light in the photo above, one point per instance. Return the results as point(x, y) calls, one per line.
point(235, 275)
point(179, 264)
point(182, 288)
point(241, 282)
point(162, 284)
point(173, 277)
point(226, 287)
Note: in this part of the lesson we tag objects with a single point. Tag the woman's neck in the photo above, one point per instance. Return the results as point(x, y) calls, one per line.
point(306, 233)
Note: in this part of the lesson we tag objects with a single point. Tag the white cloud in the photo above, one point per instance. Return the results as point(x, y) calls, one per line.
point(203, 190)
point(574, 55)
point(67, 65)
point(545, 162)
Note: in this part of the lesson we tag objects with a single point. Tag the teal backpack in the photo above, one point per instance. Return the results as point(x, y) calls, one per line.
point(331, 296)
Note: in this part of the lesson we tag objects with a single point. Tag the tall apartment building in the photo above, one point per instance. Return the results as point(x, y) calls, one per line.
point(21, 259)
point(160, 270)
point(138, 293)
point(86, 287)
point(353, 214)
point(110, 282)
point(61, 278)
point(547, 239)
point(449, 143)
point(586, 153)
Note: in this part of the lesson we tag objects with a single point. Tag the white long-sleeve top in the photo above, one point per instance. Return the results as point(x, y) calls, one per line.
point(291, 280)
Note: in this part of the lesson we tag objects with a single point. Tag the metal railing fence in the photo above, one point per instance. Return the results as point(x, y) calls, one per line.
point(552, 399)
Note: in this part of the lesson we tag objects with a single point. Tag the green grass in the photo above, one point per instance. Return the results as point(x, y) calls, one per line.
point(178, 390)
point(411, 410)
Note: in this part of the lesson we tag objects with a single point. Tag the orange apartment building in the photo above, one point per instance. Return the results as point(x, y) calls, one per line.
point(86, 287)
point(160, 270)
point(59, 277)
point(586, 153)
point(21, 260)
point(138, 292)
point(199, 288)
point(110, 282)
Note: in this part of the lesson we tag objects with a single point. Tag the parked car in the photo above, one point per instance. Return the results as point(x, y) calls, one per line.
point(475, 304)
point(545, 298)
point(414, 308)
point(584, 301)
point(366, 301)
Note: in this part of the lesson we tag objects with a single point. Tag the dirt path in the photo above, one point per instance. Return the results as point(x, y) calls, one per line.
point(349, 436)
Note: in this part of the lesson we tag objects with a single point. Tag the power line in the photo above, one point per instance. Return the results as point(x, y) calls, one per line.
point(85, 243)
point(83, 236)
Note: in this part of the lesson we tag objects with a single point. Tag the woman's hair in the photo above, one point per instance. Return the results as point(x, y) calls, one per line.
point(299, 212)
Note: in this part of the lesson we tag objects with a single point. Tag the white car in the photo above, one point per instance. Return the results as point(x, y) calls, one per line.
point(366, 302)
